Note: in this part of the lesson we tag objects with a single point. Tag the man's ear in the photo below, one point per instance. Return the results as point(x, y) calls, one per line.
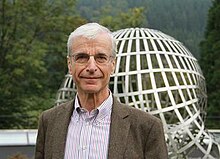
point(69, 64)
point(113, 66)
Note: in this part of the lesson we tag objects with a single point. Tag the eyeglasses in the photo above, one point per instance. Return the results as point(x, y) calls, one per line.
point(83, 58)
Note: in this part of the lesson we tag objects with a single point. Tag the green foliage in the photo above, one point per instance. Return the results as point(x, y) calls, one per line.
point(132, 18)
point(32, 57)
point(184, 20)
point(210, 61)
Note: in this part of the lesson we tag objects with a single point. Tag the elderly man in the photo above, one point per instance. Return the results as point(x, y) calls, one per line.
point(95, 125)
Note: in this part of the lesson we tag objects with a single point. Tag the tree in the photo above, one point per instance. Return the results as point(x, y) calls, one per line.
point(32, 56)
point(210, 60)
point(132, 18)
point(184, 20)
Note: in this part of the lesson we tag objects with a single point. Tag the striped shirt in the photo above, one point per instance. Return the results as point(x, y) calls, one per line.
point(88, 132)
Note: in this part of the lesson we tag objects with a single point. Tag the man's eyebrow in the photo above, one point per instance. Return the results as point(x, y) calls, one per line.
point(101, 53)
point(79, 53)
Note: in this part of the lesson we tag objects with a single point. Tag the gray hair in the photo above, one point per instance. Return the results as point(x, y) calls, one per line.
point(90, 30)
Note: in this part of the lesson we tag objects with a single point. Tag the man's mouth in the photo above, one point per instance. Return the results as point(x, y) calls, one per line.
point(90, 77)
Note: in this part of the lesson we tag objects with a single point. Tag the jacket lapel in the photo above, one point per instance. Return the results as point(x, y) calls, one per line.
point(119, 129)
point(60, 130)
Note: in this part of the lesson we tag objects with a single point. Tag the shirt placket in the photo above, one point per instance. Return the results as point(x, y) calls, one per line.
point(85, 136)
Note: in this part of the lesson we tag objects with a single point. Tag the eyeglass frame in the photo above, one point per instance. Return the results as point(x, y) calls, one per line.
point(109, 58)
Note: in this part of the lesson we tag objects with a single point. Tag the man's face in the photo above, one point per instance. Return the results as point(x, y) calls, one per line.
point(91, 77)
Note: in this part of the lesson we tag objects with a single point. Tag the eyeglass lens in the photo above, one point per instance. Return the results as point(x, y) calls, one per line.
point(84, 58)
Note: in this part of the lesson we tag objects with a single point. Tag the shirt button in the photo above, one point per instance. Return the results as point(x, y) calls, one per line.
point(88, 123)
point(84, 148)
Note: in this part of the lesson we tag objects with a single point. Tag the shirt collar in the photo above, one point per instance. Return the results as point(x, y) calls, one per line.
point(103, 110)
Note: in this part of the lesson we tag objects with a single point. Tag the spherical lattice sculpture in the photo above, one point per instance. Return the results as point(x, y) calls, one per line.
point(156, 73)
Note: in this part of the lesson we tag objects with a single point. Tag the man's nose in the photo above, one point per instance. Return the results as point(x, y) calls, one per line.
point(91, 65)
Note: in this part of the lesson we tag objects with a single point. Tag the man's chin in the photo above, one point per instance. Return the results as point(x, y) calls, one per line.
point(90, 89)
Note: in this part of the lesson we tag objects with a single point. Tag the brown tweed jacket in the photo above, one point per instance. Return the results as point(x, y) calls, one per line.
point(134, 134)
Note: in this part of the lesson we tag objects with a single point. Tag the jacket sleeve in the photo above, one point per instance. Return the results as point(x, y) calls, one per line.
point(39, 149)
point(155, 147)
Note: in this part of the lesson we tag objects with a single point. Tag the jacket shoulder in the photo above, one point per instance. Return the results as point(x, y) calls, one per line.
point(56, 109)
point(140, 117)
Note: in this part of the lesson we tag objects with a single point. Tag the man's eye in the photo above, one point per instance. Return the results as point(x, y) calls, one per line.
point(102, 58)
point(81, 57)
